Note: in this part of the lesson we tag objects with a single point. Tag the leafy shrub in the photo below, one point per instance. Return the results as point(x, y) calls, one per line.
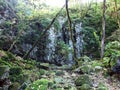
point(84, 59)
point(112, 49)
point(63, 48)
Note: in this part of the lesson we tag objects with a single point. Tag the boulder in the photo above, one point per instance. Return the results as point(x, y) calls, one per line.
point(85, 87)
point(83, 79)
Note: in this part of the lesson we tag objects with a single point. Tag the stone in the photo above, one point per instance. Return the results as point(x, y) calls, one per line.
point(98, 68)
point(24, 85)
point(15, 70)
point(87, 69)
point(41, 84)
point(59, 73)
point(44, 66)
point(59, 80)
point(83, 79)
point(67, 87)
point(73, 88)
point(85, 87)
point(14, 86)
point(102, 88)
point(4, 72)
point(42, 72)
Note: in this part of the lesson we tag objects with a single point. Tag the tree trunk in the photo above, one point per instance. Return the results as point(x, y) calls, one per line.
point(117, 16)
point(103, 31)
point(71, 33)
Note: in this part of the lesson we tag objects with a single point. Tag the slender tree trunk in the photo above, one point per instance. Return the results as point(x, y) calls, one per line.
point(71, 32)
point(103, 31)
point(117, 16)
point(42, 35)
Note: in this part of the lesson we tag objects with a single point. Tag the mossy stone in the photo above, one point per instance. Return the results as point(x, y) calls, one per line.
point(2, 62)
point(85, 87)
point(102, 88)
point(83, 79)
point(3, 70)
point(87, 69)
point(14, 86)
point(15, 70)
point(59, 73)
point(28, 66)
point(41, 84)
point(42, 72)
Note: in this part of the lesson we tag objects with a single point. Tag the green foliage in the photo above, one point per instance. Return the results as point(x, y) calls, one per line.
point(41, 84)
point(96, 63)
point(83, 79)
point(85, 87)
point(42, 72)
point(14, 86)
point(112, 49)
point(2, 62)
point(63, 48)
point(15, 70)
point(90, 40)
point(28, 66)
point(3, 70)
point(84, 59)
point(102, 87)
point(92, 26)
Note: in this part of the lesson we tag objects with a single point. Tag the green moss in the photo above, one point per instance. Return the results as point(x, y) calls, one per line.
point(8, 56)
point(112, 50)
point(83, 79)
point(14, 86)
point(15, 70)
point(87, 69)
point(59, 73)
point(29, 66)
point(42, 72)
point(102, 87)
point(3, 69)
point(19, 78)
point(41, 84)
point(2, 62)
point(85, 87)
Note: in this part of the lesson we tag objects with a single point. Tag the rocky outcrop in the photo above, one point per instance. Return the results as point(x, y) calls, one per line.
point(56, 45)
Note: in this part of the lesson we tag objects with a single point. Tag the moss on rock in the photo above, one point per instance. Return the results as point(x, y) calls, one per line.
point(3, 70)
point(85, 87)
point(83, 79)
point(14, 86)
point(15, 70)
point(41, 84)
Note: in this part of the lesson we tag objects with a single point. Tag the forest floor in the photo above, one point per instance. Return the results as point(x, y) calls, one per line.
point(65, 80)
point(89, 76)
